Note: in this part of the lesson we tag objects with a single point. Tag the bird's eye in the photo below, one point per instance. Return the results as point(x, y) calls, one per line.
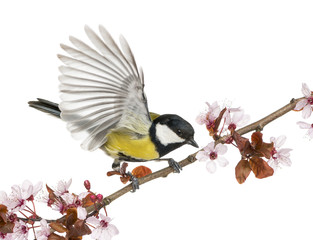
point(179, 132)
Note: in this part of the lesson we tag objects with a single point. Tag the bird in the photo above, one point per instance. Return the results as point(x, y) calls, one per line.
point(104, 104)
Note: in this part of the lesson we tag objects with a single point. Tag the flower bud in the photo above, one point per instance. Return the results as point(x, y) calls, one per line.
point(99, 197)
point(87, 185)
point(93, 198)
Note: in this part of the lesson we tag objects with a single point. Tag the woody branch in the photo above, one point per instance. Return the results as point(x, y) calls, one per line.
point(256, 126)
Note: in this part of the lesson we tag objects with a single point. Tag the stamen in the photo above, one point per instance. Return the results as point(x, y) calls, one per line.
point(213, 155)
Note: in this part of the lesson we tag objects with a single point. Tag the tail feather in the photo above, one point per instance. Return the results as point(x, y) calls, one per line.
point(46, 106)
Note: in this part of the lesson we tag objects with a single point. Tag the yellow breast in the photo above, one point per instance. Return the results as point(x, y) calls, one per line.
point(119, 142)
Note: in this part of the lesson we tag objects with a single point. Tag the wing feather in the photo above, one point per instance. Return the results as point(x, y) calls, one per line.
point(101, 89)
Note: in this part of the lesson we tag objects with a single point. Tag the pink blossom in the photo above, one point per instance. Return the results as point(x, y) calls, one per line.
point(20, 231)
point(280, 156)
point(76, 201)
point(63, 187)
point(308, 126)
point(305, 104)
point(7, 236)
point(211, 154)
point(210, 115)
point(103, 230)
point(235, 120)
point(44, 231)
point(8, 202)
point(26, 192)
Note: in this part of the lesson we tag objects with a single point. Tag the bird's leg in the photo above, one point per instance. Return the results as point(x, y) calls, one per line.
point(116, 165)
point(172, 163)
point(134, 181)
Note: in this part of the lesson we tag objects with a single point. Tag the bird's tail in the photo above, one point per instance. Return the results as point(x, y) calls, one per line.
point(46, 106)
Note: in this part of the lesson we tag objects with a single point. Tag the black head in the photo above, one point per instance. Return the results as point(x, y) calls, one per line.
point(173, 131)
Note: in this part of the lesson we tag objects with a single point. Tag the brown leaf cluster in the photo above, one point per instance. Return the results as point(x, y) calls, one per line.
point(252, 153)
point(73, 227)
point(6, 226)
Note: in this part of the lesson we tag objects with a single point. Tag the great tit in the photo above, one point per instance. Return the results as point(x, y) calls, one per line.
point(103, 103)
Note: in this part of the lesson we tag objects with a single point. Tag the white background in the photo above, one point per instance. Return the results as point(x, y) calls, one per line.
point(254, 54)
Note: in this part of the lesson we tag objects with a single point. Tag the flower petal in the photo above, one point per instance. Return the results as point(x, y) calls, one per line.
point(220, 149)
point(307, 111)
point(81, 213)
point(306, 90)
point(284, 151)
point(237, 117)
point(211, 166)
point(223, 162)
point(301, 104)
point(304, 125)
point(113, 230)
point(201, 119)
point(285, 161)
point(209, 148)
point(202, 156)
point(310, 133)
point(93, 220)
point(280, 141)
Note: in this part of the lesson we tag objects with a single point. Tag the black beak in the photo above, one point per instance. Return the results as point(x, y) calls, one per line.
point(192, 142)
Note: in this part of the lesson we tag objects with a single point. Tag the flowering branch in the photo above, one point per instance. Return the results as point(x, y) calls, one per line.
point(260, 124)
point(80, 212)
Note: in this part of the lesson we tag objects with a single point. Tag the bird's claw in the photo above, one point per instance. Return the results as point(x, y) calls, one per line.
point(134, 182)
point(175, 165)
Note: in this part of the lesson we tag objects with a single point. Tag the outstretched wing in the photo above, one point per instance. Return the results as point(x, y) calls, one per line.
point(101, 89)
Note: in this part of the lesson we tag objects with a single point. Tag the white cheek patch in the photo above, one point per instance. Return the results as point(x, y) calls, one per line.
point(166, 136)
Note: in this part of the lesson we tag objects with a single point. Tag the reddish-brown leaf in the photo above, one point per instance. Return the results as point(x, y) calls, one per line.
point(54, 236)
point(218, 120)
point(56, 226)
point(87, 201)
point(260, 168)
point(242, 171)
point(71, 216)
point(7, 228)
point(123, 168)
point(243, 145)
point(111, 173)
point(141, 171)
point(51, 195)
point(261, 147)
point(256, 140)
point(3, 216)
point(78, 230)
point(125, 179)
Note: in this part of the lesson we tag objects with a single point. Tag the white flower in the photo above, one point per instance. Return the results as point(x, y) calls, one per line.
point(280, 156)
point(63, 187)
point(6, 201)
point(20, 231)
point(76, 201)
point(305, 104)
point(210, 115)
point(211, 154)
point(236, 120)
point(44, 232)
point(27, 191)
point(103, 229)
point(8, 236)
point(308, 126)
